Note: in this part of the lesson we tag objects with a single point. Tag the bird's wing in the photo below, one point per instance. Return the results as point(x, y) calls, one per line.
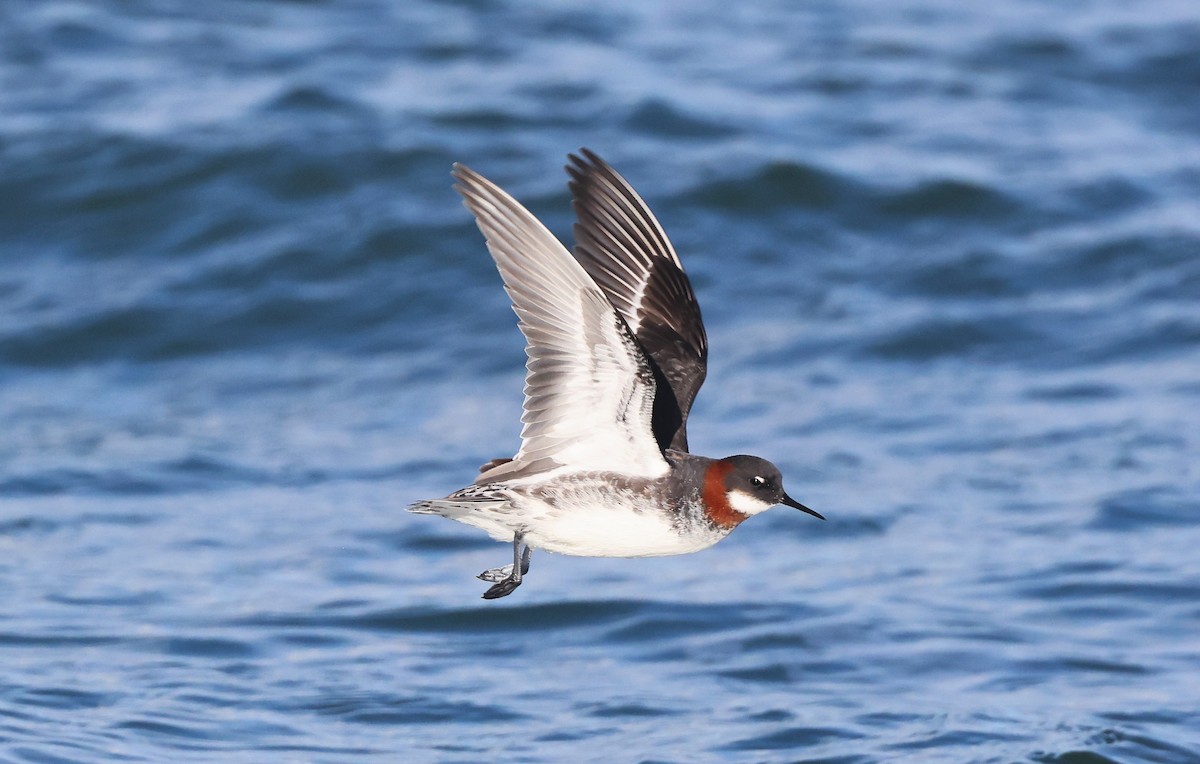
point(589, 389)
point(624, 249)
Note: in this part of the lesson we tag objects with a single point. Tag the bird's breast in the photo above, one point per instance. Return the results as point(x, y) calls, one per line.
point(601, 518)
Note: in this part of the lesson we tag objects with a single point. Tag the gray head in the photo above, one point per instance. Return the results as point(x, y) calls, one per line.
point(753, 484)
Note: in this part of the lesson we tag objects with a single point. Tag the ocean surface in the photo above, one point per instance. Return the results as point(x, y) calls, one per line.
point(949, 258)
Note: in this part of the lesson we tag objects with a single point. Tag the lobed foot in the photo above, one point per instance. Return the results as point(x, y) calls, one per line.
point(508, 578)
point(494, 575)
point(502, 589)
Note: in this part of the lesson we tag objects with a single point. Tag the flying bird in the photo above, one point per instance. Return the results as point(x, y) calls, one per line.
point(616, 353)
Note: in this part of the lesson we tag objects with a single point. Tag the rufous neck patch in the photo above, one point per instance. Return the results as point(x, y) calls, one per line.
point(716, 501)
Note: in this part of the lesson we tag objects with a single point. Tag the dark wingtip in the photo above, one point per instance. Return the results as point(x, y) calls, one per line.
point(580, 164)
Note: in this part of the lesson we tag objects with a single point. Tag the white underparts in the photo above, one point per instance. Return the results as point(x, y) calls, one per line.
point(747, 504)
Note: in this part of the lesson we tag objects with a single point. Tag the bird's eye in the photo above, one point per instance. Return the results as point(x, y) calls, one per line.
point(757, 481)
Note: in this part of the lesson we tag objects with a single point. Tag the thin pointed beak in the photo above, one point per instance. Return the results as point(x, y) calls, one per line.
point(788, 501)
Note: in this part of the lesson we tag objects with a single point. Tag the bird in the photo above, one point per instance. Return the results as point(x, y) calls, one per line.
point(616, 352)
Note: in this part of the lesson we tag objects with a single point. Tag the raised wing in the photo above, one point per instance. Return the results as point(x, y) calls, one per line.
point(589, 390)
point(626, 252)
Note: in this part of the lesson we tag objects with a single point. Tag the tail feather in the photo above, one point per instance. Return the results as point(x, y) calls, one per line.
point(452, 508)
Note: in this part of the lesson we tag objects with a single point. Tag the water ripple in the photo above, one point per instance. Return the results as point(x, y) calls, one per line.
point(947, 260)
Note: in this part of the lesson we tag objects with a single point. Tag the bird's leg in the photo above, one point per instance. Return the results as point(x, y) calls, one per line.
point(493, 575)
point(508, 578)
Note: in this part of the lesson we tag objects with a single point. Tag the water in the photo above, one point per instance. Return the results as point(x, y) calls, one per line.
point(949, 256)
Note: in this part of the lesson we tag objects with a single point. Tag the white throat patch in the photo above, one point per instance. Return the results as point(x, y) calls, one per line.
point(745, 503)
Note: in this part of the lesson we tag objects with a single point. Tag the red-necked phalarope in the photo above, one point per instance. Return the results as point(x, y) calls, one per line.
point(617, 351)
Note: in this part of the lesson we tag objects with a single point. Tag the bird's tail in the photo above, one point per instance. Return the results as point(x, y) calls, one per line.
point(452, 508)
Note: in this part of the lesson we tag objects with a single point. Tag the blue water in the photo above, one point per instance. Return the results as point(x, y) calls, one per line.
point(949, 257)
